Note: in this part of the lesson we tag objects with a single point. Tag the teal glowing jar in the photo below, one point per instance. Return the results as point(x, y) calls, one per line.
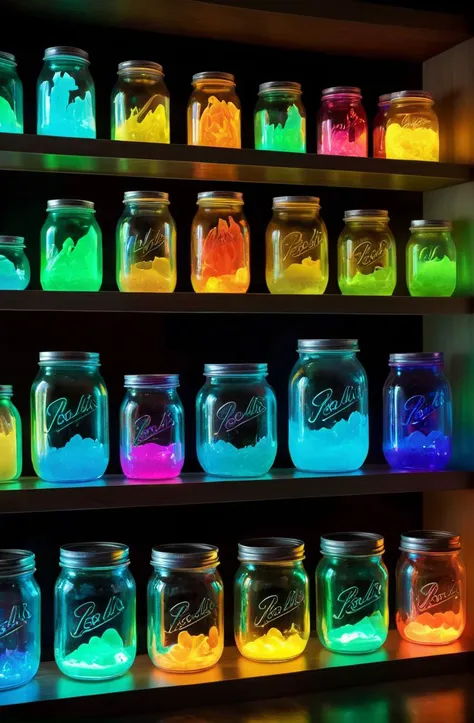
point(280, 118)
point(10, 436)
point(328, 407)
point(352, 592)
point(66, 94)
point(14, 265)
point(11, 96)
point(94, 611)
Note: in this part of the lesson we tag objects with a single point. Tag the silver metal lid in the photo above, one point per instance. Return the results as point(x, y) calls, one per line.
point(7, 56)
point(57, 203)
point(271, 549)
point(425, 357)
point(310, 345)
point(142, 381)
point(357, 213)
point(6, 390)
point(229, 370)
point(341, 90)
point(430, 541)
point(430, 224)
point(18, 241)
point(94, 554)
point(213, 75)
point(148, 65)
point(418, 94)
point(279, 85)
point(385, 98)
point(282, 201)
point(185, 556)
point(225, 196)
point(65, 51)
point(159, 197)
point(16, 562)
point(89, 357)
point(352, 544)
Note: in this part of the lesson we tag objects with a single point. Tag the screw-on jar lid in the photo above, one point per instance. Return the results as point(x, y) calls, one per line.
point(224, 196)
point(148, 65)
point(271, 549)
point(17, 241)
point(7, 56)
point(310, 345)
point(416, 94)
point(91, 357)
point(425, 357)
point(430, 541)
point(279, 85)
point(142, 381)
point(229, 370)
point(352, 544)
point(94, 554)
point(358, 213)
point(283, 201)
point(430, 224)
point(16, 562)
point(6, 390)
point(213, 75)
point(185, 556)
point(65, 51)
point(146, 197)
point(341, 90)
point(59, 203)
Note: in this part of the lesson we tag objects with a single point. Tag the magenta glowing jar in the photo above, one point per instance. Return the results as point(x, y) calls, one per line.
point(342, 123)
point(151, 427)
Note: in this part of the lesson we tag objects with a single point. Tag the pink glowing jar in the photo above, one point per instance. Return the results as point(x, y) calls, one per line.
point(380, 125)
point(342, 123)
point(151, 427)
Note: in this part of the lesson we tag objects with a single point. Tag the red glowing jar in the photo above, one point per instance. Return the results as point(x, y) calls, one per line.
point(380, 125)
point(342, 123)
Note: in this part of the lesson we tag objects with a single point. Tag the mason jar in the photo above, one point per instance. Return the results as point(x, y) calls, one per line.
point(14, 265)
point(94, 611)
point(214, 111)
point(431, 587)
point(20, 618)
point(185, 608)
point(352, 592)
point(11, 95)
point(10, 437)
point(140, 103)
point(380, 125)
point(69, 418)
point(146, 243)
point(220, 244)
point(342, 123)
point(328, 407)
point(151, 427)
point(417, 412)
point(271, 599)
point(431, 259)
point(367, 254)
point(71, 247)
point(296, 247)
point(66, 94)
point(412, 127)
point(236, 432)
point(280, 118)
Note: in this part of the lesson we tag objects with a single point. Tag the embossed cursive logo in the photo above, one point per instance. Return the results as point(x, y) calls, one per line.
point(143, 245)
point(145, 431)
point(89, 619)
point(271, 608)
point(430, 595)
point(59, 416)
point(428, 253)
point(294, 244)
point(17, 618)
point(352, 120)
point(327, 407)
point(418, 407)
point(367, 253)
point(230, 418)
point(181, 618)
point(414, 121)
point(352, 602)
point(5, 426)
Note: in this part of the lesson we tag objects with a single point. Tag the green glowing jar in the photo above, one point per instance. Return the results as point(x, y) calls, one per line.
point(11, 96)
point(94, 609)
point(71, 247)
point(431, 259)
point(280, 118)
point(352, 592)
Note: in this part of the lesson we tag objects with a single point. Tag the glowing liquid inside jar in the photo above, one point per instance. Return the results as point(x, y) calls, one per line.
point(290, 136)
point(78, 461)
point(419, 451)
point(75, 267)
point(16, 668)
point(364, 636)
point(8, 454)
point(380, 282)
point(223, 458)
point(219, 124)
point(74, 118)
point(191, 652)
point(149, 277)
point(8, 121)
point(150, 126)
point(434, 278)
point(300, 278)
point(274, 646)
point(11, 277)
point(223, 261)
point(432, 629)
point(102, 658)
point(153, 461)
point(411, 144)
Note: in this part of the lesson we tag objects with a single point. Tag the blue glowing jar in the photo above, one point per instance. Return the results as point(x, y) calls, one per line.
point(236, 421)
point(417, 412)
point(328, 407)
point(20, 618)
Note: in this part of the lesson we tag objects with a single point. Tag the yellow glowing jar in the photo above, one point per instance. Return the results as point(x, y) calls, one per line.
point(140, 103)
point(214, 111)
point(10, 436)
point(412, 128)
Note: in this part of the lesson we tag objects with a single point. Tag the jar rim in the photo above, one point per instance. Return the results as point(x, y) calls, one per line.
point(430, 541)
point(158, 197)
point(213, 75)
point(144, 381)
point(9, 57)
point(6, 390)
point(66, 51)
point(284, 201)
point(321, 345)
point(57, 204)
point(385, 98)
point(428, 224)
point(225, 196)
point(341, 90)
point(279, 85)
point(271, 549)
point(415, 358)
point(50, 357)
point(352, 544)
point(185, 556)
point(134, 65)
point(15, 561)
point(12, 241)
point(94, 554)
point(358, 213)
point(412, 95)
point(230, 370)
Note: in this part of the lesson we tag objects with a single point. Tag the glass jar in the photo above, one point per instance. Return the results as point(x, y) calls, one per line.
point(214, 111)
point(236, 434)
point(146, 243)
point(431, 259)
point(11, 95)
point(380, 125)
point(69, 418)
point(140, 103)
point(280, 118)
point(66, 94)
point(431, 587)
point(417, 413)
point(367, 254)
point(71, 247)
point(412, 127)
point(352, 592)
point(185, 608)
point(152, 427)
point(14, 265)
point(342, 123)
point(94, 611)
point(10, 438)
point(271, 599)
point(328, 407)
point(297, 247)
point(220, 244)
point(20, 618)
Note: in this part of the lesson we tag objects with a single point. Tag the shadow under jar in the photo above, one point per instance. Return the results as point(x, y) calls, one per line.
point(280, 118)
point(11, 95)
point(214, 111)
point(14, 264)
point(11, 458)
point(431, 259)
point(140, 103)
point(342, 123)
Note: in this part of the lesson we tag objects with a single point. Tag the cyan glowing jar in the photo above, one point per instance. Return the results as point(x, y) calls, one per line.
point(151, 427)
point(10, 436)
point(280, 118)
point(271, 599)
point(342, 123)
point(11, 95)
point(14, 264)
point(20, 618)
point(236, 421)
point(431, 259)
point(352, 592)
point(140, 103)
point(94, 611)
point(328, 407)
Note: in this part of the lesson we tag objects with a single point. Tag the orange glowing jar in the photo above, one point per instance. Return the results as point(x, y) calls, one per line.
point(214, 111)
point(220, 244)
point(431, 588)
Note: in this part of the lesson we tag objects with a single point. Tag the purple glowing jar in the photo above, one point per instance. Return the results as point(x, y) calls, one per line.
point(417, 412)
point(151, 427)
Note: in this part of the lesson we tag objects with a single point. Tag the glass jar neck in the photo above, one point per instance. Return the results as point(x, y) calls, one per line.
point(354, 559)
point(71, 211)
point(279, 95)
point(11, 247)
point(66, 62)
point(137, 207)
point(7, 65)
point(140, 75)
point(151, 391)
point(213, 84)
point(289, 213)
point(414, 556)
point(223, 205)
point(368, 222)
point(61, 366)
point(327, 354)
point(84, 570)
point(435, 368)
point(236, 378)
point(425, 103)
point(170, 572)
point(342, 99)
point(5, 397)
point(262, 566)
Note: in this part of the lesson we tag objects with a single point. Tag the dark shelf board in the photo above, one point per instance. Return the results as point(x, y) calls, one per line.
point(147, 160)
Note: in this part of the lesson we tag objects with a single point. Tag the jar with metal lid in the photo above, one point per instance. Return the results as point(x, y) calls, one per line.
point(280, 118)
point(296, 247)
point(20, 618)
point(367, 254)
point(11, 95)
point(94, 611)
point(10, 436)
point(417, 412)
point(185, 608)
point(220, 244)
point(66, 94)
point(236, 433)
point(431, 587)
point(380, 126)
point(271, 599)
point(214, 111)
point(71, 247)
point(151, 427)
point(14, 265)
point(352, 592)
point(412, 127)
point(140, 103)
point(69, 418)
point(328, 407)
point(146, 243)
point(342, 123)
point(431, 259)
